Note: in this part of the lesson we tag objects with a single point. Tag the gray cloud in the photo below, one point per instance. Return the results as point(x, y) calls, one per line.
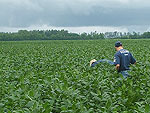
point(67, 13)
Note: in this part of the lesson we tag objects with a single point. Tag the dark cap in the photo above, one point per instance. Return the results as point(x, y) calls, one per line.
point(118, 43)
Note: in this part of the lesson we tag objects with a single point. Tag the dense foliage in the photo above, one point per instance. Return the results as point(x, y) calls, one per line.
point(134, 35)
point(48, 35)
point(55, 77)
point(65, 35)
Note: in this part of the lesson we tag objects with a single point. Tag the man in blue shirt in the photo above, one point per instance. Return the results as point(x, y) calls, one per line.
point(122, 60)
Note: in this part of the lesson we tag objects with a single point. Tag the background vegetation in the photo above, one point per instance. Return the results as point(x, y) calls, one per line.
point(48, 35)
point(65, 35)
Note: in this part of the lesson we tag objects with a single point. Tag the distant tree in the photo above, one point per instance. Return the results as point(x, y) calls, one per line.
point(146, 35)
point(65, 35)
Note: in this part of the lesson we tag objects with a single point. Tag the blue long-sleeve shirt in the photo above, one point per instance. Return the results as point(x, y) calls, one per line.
point(103, 60)
point(124, 58)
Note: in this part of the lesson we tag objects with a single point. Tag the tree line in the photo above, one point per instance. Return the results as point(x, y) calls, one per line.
point(48, 35)
point(127, 35)
point(134, 35)
point(65, 35)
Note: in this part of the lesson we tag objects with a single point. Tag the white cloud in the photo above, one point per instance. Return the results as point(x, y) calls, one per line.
point(89, 29)
point(20, 4)
point(25, 13)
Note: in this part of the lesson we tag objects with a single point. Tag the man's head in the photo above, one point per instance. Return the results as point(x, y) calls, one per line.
point(118, 46)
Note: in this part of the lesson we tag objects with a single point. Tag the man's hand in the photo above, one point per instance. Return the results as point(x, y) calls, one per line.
point(117, 66)
point(92, 61)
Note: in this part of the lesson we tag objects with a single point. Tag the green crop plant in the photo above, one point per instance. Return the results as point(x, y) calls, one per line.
point(55, 77)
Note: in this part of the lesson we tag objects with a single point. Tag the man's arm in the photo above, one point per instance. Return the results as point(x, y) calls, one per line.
point(94, 62)
point(132, 61)
point(117, 61)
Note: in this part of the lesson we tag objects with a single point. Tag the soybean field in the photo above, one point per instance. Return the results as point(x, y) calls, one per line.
point(55, 77)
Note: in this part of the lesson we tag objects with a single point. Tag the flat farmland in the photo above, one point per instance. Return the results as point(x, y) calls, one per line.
point(55, 77)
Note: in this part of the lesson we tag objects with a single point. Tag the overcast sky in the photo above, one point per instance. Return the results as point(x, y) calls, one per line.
point(75, 15)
